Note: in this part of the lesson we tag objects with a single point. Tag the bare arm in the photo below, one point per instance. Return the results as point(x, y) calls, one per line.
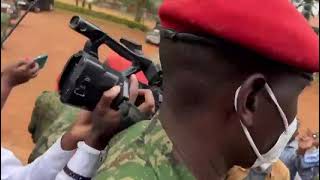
point(5, 90)
point(15, 75)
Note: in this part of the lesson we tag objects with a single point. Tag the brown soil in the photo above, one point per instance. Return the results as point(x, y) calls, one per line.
point(49, 33)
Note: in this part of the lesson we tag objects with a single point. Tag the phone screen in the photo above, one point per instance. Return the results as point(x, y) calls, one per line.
point(41, 60)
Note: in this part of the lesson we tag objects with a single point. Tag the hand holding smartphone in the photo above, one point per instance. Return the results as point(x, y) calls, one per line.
point(41, 60)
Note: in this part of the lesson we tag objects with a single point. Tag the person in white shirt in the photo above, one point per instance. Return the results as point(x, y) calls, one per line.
point(78, 153)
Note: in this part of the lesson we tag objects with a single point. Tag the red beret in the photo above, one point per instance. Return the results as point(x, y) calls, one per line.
point(119, 63)
point(273, 28)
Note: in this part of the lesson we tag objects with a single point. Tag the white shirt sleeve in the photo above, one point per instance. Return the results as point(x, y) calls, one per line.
point(46, 167)
point(85, 162)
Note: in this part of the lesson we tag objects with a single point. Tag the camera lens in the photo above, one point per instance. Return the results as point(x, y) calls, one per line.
point(74, 22)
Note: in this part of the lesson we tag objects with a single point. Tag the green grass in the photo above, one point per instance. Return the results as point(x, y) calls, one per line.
point(317, 77)
point(100, 15)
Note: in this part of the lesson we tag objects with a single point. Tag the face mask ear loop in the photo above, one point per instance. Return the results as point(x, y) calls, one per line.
point(273, 97)
point(246, 132)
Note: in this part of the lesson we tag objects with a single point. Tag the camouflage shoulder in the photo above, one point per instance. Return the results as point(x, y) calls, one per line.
point(58, 127)
point(142, 152)
point(47, 108)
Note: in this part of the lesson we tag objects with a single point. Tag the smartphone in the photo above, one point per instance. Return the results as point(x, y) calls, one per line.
point(41, 60)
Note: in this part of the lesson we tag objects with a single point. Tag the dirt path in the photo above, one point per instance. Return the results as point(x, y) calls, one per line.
point(45, 33)
point(49, 33)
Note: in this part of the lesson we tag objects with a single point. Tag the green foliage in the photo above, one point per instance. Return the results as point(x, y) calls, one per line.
point(5, 18)
point(316, 77)
point(308, 8)
point(151, 5)
point(128, 2)
point(100, 15)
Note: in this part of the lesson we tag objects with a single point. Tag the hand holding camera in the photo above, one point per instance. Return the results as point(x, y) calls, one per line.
point(84, 78)
point(96, 128)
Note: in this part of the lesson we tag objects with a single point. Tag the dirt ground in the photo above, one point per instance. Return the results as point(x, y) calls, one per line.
point(49, 33)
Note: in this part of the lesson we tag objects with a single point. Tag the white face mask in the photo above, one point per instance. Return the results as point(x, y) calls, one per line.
point(264, 161)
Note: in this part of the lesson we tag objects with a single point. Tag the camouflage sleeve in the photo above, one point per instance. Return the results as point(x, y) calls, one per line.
point(48, 108)
point(50, 119)
point(55, 130)
point(142, 152)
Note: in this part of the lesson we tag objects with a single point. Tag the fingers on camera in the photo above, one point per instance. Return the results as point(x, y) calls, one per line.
point(107, 98)
point(149, 103)
point(134, 86)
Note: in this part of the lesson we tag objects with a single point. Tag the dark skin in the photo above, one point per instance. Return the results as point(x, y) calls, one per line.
point(199, 104)
point(16, 74)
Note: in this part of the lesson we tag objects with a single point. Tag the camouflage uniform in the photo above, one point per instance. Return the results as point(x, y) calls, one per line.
point(50, 119)
point(142, 151)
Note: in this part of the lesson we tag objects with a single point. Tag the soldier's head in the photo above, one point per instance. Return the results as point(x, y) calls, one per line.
point(232, 77)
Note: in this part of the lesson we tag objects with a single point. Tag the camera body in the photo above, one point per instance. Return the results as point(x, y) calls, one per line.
point(84, 79)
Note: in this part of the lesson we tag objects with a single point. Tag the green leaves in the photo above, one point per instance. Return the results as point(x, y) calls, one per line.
point(309, 9)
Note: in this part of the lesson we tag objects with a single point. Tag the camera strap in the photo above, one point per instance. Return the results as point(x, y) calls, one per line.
point(130, 115)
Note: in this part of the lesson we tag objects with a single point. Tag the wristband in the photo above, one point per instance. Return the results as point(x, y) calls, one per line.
point(74, 175)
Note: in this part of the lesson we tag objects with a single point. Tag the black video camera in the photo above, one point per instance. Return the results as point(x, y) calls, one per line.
point(84, 78)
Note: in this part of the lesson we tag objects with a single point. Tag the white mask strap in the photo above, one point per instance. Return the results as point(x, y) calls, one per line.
point(247, 133)
point(273, 97)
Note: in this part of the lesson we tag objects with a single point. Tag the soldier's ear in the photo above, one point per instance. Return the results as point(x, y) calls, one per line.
point(247, 98)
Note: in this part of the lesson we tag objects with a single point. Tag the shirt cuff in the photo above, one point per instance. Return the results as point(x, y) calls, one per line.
point(56, 152)
point(86, 160)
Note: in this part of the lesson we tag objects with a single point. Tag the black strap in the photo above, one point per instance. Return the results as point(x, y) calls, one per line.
point(130, 115)
point(74, 175)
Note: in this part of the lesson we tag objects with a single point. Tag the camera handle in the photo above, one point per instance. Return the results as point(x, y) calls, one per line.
point(139, 62)
point(92, 48)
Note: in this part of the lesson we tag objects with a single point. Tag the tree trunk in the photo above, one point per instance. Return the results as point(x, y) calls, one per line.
point(141, 4)
point(83, 3)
